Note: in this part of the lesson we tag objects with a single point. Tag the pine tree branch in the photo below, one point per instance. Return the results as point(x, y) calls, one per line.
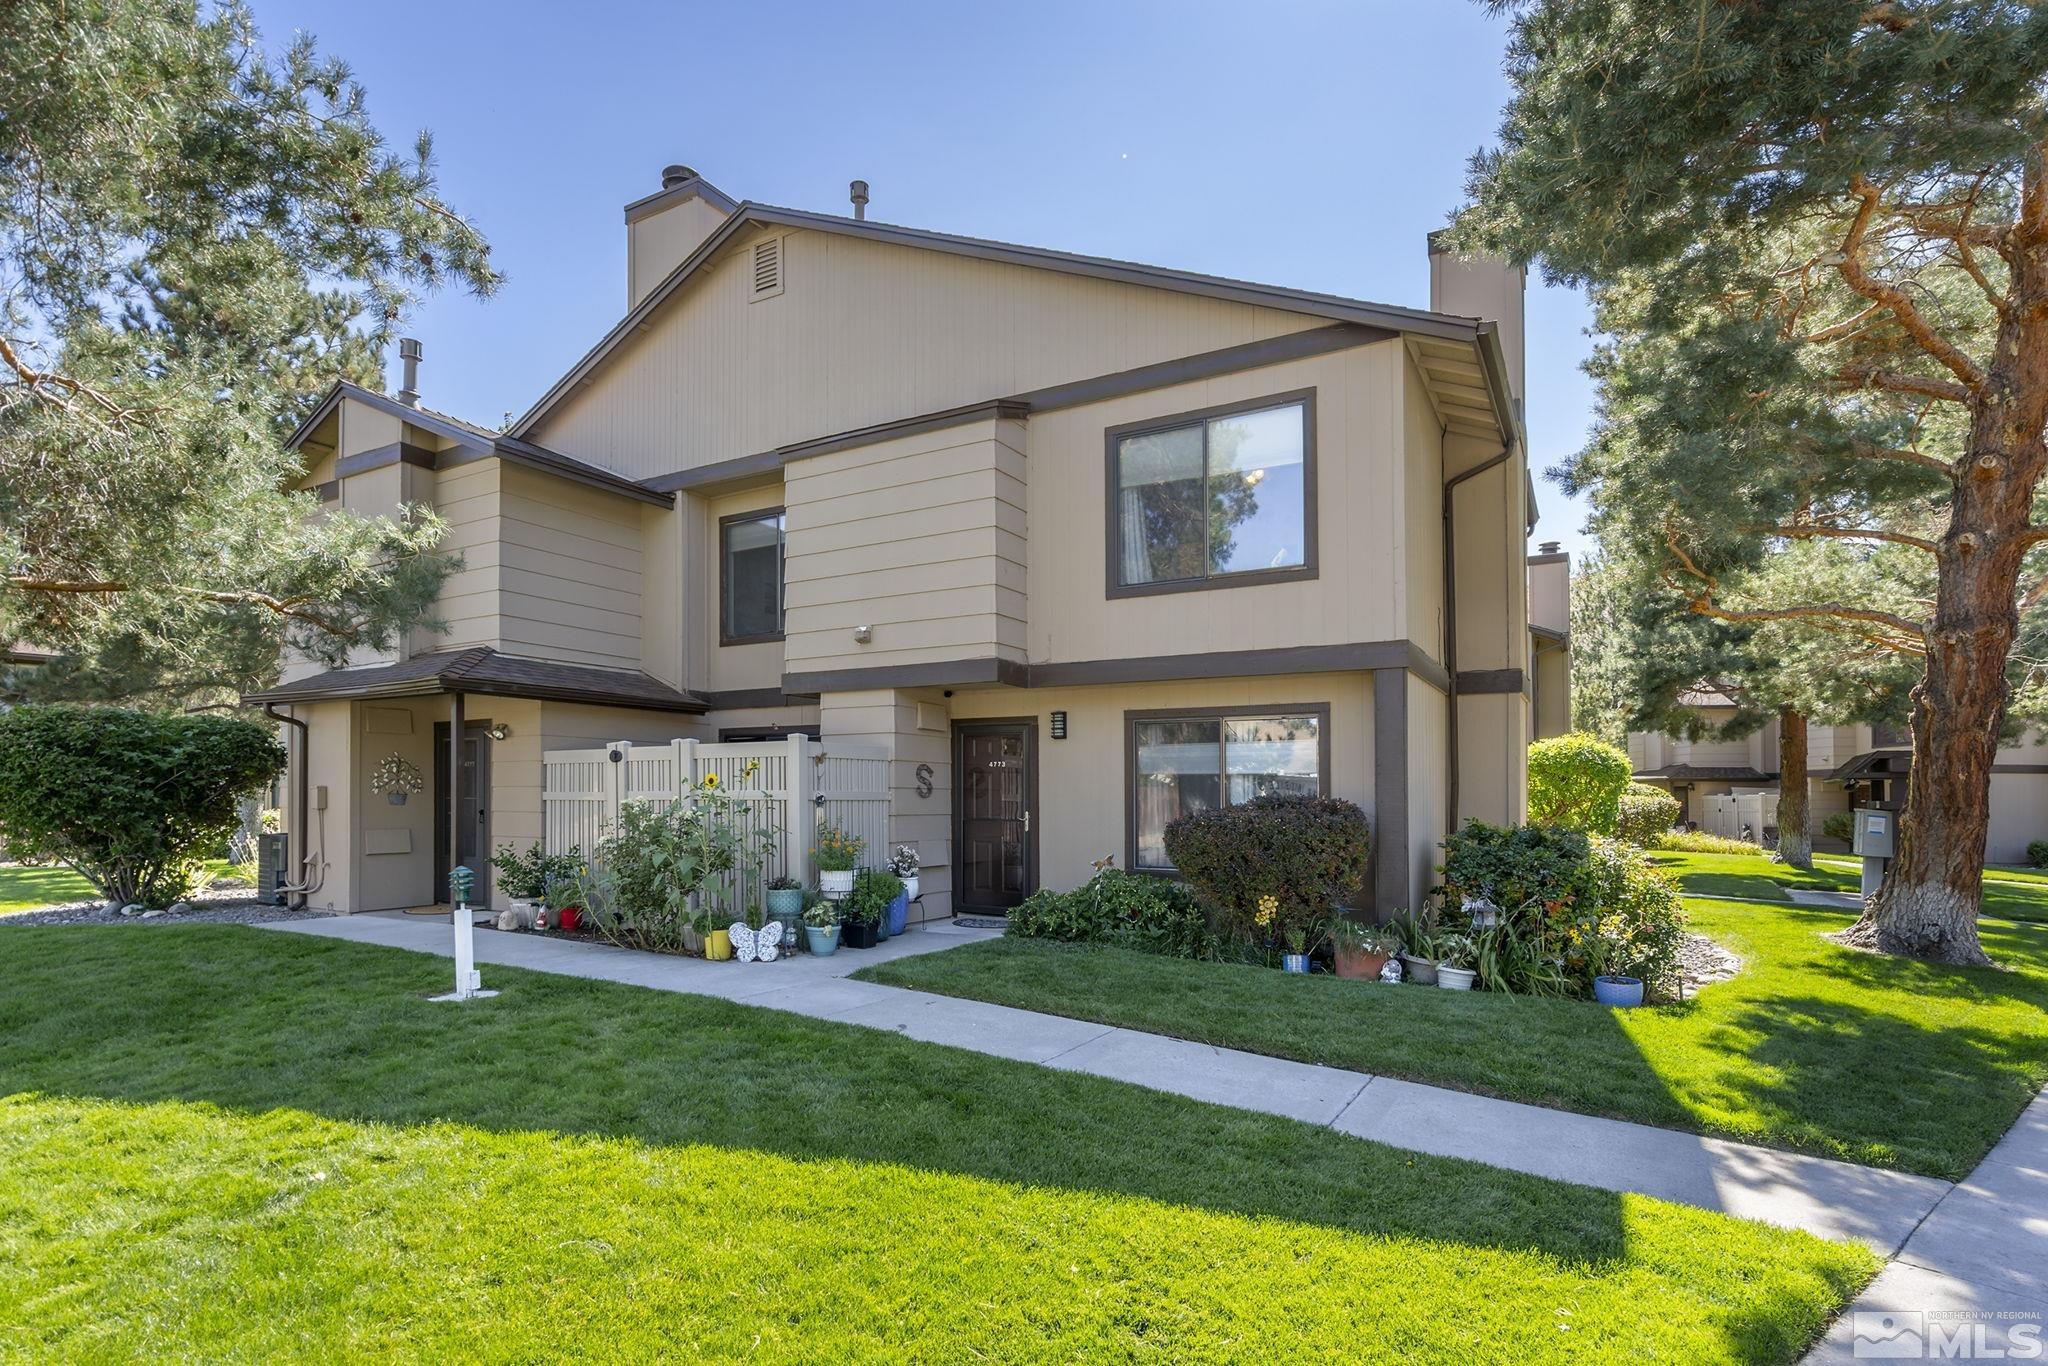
point(293, 609)
point(1808, 531)
point(1860, 450)
point(1701, 601)
point(1864, 375)
point(1852, 270)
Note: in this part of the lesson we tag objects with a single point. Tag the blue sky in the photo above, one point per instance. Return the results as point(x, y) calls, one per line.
point(1303, 144)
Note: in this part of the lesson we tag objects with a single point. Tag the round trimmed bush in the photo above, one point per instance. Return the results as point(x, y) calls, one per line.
point(131, 800)
point(1576, 781)
point(2037, 853)
point(1645, 813)
point(1308, 853)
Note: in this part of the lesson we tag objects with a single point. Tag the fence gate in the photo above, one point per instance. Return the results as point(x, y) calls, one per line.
point(798, 786)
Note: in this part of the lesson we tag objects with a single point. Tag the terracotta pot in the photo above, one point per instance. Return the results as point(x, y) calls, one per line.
point(1359, 964)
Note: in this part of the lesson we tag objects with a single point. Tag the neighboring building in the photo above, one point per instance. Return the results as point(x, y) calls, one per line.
point(923, 492)
point(1846, 766)
point(1550, 657)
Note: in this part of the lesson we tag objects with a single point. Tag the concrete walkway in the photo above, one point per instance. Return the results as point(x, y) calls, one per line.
point(1833, 1199)
point(1976, 1267)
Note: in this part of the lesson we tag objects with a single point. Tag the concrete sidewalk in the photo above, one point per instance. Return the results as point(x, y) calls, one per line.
point(1833, 1199)
point(1976, 1269)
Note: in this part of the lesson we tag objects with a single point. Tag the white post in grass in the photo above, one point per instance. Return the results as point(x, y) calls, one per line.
point(468, 982)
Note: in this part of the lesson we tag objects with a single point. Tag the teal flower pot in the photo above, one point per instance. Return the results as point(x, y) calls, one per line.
point(821, 942)
point(786, 903)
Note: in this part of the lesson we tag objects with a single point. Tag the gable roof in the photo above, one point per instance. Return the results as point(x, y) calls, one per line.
point(1483, 335)
point(481, 669)
point(474, 441)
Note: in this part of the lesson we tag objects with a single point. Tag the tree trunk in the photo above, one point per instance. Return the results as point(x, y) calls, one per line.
point(1927, 906)
point(1795, 836)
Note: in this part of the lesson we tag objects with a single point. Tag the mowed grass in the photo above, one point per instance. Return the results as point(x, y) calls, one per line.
point(26, 888)
point(1813, 1047)
point(2009, 893)
point(225, 1143)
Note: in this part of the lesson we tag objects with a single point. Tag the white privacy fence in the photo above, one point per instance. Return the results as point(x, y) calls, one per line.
point(800, 786)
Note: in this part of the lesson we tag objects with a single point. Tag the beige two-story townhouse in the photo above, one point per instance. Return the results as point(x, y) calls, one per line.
point(1079, 544)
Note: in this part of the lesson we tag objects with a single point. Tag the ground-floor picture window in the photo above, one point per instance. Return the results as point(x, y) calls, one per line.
point(1207, 759)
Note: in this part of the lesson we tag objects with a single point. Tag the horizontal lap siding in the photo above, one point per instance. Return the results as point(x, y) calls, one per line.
point(569, 581)
point(922, 538)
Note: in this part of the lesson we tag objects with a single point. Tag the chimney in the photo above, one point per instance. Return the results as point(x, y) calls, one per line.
point(858, 193)
point(1548, 547)
point(409, 352)
point(1488, 288)
point(663, 228)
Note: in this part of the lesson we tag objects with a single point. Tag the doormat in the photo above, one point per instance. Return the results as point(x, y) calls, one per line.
point(981, 922)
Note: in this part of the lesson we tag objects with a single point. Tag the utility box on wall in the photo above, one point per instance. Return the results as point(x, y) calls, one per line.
point(272, 865)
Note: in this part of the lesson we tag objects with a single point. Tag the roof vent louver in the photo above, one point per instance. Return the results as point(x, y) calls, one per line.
point(767, 268)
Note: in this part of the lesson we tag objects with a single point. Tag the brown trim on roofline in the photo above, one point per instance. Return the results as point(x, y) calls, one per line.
point(1360, 657)
point(1491, 681)
point(397, 453)
point(737, 699)
point(1114, 587)
point(1320, 710)
point(1312, 341)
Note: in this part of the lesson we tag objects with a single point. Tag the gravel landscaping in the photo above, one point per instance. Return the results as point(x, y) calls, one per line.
point(219, 906)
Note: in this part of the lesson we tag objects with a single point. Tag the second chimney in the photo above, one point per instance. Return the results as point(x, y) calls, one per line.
point(858, 193)
point(409, 353)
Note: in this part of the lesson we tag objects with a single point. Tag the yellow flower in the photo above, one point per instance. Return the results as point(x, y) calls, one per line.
point(711, 780)
point(1269, 907)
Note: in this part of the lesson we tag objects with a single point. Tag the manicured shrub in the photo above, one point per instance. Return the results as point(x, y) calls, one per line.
point(2037, 853)
point(656, 859)
point(1842, 826)
point(1645, 813)
point(1309, 853)
point(1569, 907)
point(131, 800)
point(1115, 907)
point(1576, 781)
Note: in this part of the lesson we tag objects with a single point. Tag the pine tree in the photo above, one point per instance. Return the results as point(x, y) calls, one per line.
point(1816, 234)
point(196, 238)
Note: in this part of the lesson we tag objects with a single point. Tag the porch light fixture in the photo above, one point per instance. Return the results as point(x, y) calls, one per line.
point(501, 731)
point(1059, 725)
point(863, 634)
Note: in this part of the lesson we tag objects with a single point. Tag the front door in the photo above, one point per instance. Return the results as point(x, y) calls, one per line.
point(995, 863)
point(474, 819)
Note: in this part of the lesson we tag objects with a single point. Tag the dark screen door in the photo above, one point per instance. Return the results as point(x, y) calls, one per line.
point(994, 794)
point(473, 821)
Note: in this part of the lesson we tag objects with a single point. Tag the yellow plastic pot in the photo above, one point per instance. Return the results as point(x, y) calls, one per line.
point(718, 945)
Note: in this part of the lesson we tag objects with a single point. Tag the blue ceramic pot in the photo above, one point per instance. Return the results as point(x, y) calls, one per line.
point(899, 914)
point(821, 942)
point(1294, 962)
point(1618, 991)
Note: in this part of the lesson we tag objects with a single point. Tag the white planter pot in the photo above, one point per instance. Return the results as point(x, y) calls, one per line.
point(526, 914)
point(910, 887)
point(1455, 979)
point(841, 882)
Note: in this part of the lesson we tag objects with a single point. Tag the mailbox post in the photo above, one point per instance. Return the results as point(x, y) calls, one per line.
point(1873, 842)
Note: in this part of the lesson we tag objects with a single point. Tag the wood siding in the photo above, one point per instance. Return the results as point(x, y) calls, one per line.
point(868, 332)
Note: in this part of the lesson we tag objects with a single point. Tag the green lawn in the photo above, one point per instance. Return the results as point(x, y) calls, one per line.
point(1812, 1047)
point(225, 1143)
point(2009, 893)
point(23, 888)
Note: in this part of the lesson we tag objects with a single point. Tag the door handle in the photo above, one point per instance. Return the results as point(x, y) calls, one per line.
point(1027, 822)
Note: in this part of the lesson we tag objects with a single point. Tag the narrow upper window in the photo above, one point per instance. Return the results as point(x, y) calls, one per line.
point(1203, 500)
point(1198, 762)
point(750, 577)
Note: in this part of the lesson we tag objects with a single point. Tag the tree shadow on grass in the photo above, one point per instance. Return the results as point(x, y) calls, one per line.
point(268, 1021)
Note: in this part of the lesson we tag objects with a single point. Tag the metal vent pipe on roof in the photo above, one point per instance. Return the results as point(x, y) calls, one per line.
point(858, 193)
point(409, 352)
point(672, 176)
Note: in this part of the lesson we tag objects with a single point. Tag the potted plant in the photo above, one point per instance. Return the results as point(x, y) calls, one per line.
point(898, 918)
point(1360, 950)
point(821, 927)
point(1610, 988)
point(836, 856)
point(523, 878)
point(1296, 958)
point(867, 908)
point(785, 896)
point(1418, 950)
point(565, 904)
point(905, 863)
point(1455, 957)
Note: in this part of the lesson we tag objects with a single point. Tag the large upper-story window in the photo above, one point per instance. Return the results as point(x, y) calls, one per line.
point(1199, 760)
point(1217, 498)
point(750, 577)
